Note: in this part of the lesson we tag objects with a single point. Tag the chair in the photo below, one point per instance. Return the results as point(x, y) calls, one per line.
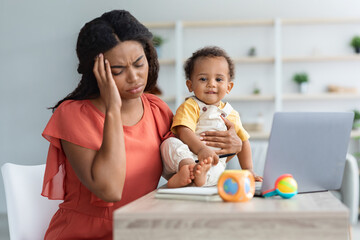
point(29, 213)
point(349, 191)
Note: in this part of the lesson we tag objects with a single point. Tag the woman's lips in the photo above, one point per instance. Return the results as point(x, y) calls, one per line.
point(136, 89)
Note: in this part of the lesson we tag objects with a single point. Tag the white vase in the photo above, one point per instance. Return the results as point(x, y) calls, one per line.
point(303, 87)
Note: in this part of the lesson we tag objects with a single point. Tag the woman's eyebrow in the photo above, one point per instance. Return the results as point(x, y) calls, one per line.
point(120, 66)
point(139, 58)
point(117, 66)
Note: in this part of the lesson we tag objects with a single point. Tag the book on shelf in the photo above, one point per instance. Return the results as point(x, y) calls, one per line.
point(207, 194)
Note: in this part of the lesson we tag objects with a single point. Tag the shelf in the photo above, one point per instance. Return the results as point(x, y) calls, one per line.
point(285, 59)
point(355, 133)
point(320, 21)
point(321, 96)
point(252, 97)
point(228, 23)
point(259, 135)
point(322, 58)
point(167, 61)
point(259, 22)
point(298, 59)
point(236, 60)
point(279, 60)
point(160, 25)
point(254, 60)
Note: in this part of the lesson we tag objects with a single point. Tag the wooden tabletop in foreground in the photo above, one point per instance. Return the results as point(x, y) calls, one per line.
point(306, 216)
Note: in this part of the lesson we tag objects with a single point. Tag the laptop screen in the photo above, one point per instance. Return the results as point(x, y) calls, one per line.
point(311, 146)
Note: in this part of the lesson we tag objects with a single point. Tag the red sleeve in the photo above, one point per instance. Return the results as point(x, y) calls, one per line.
point(77, 122)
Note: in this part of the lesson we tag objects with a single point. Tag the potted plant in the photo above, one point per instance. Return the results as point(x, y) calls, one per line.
point(158, 41)
point(252, 52)
point(356, 124)
point(355, 43)
point(302, 80)
point(256, 89)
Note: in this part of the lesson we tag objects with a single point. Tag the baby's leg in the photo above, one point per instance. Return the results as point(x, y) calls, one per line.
point(173, 152)
point(200, 172)
point(183, 177)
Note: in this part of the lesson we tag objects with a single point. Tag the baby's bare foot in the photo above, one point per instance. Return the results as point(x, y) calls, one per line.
point(200, 171)
point(182, 178)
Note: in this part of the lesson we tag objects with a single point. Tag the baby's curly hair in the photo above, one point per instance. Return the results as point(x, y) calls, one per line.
point(211, 51)
point(102, 34)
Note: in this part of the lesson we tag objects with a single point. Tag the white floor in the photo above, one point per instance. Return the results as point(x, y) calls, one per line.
point(4, 232)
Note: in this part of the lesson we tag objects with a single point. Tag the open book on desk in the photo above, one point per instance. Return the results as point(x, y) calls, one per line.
point(207, 194)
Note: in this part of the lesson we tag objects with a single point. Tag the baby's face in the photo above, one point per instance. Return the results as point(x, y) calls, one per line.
point(210, 80)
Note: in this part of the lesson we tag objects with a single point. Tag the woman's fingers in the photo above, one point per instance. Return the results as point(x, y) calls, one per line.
point(108, 70)
point(96, 69)
point(227, 123)
point(101, 67)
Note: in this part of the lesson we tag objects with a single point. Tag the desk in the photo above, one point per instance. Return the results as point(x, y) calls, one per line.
point(305, 216)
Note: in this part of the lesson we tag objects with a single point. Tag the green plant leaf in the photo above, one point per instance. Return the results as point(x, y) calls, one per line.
point(158, 40)
point(355, 42)
point(301, 78)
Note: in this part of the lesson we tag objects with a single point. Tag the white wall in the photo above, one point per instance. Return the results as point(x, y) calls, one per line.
point(38, 60)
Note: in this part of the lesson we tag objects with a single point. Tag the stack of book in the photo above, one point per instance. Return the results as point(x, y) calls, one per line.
point(190, 193)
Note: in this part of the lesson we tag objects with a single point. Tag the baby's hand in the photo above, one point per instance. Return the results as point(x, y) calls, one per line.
point(256, 177)
point(207, 153)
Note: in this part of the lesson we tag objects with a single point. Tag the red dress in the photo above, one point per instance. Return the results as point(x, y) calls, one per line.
point(82, 215)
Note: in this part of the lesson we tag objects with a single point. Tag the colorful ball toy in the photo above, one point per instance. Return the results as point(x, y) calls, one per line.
point(285, 186)
point(236, 185)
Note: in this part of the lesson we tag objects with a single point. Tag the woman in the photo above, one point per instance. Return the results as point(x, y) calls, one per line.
point(105, 135)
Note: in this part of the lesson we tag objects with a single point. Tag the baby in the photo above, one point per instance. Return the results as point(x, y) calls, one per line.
point(209, 73)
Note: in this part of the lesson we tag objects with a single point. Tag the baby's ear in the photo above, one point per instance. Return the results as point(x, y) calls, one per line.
point(230, 86)
point(189, 85)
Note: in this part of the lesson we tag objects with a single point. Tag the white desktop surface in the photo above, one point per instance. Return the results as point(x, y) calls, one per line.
point(306, 216)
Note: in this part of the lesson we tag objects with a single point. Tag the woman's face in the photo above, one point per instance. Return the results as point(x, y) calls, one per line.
point(129, 68)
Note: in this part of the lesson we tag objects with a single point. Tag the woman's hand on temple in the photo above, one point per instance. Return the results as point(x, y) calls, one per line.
point(228, 140)
point(106, 83)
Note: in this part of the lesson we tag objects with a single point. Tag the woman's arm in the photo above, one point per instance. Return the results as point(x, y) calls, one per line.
point(103, 172)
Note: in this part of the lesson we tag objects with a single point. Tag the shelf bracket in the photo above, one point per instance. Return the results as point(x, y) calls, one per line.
point(278, 65)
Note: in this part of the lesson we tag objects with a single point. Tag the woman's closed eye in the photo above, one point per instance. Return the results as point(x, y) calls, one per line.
point(139, 62)
point(139, 65)
point(117, 73)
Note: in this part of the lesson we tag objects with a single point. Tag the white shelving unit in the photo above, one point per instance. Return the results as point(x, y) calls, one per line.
point(278, 61)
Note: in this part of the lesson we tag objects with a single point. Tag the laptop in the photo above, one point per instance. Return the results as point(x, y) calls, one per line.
point(312, 146)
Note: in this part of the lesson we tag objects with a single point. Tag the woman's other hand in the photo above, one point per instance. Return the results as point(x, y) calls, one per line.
point(108, 89)
point(228, 140)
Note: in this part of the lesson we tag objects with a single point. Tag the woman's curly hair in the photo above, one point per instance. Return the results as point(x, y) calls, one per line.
point(211, 51)
point(102, 34)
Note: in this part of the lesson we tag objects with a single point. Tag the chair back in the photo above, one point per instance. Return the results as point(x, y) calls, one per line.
point(29, 213)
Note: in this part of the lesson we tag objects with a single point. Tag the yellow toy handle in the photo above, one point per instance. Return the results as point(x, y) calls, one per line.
point(236, 185)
